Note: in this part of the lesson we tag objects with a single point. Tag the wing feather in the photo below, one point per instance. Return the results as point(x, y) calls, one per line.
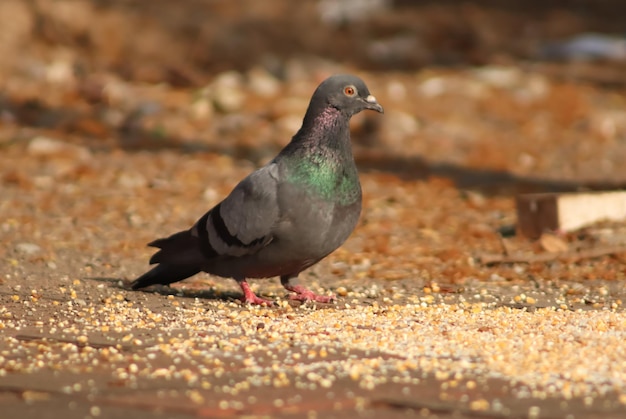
point(244, 221)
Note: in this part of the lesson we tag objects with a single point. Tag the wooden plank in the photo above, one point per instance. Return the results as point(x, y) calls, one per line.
point(537, 213)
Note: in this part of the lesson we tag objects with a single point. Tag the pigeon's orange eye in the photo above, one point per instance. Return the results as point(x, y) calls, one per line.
point(349, 90)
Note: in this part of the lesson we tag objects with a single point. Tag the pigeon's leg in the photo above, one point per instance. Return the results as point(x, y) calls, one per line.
point(249, 296)
point(301, 292)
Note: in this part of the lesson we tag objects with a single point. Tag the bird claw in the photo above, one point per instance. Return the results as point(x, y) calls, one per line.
point(308, 295)
point(300, 294)
point(254, 300)
point(250, 297)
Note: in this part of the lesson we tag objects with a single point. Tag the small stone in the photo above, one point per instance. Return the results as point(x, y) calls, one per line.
point(227, 93)
point(44, 147)
point(263, 83)
point(201, 109)
point(132, 180)
point(433, 87)
point(338, 12)
point(498, 76)
point(479, 405)
point(27, 248)
point(60, 71)
point(396, 91)
point(289, 123)
point(553, 244)
point(210, 195)
point(534, 411)
point(401, 125)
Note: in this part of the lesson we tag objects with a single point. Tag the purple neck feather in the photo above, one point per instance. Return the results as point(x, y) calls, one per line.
point(327, 126)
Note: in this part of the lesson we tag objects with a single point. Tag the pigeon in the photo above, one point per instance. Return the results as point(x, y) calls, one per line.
point(284, 217)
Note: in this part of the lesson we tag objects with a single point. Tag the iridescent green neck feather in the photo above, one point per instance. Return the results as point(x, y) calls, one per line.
point(321, 160)
point(329, 180)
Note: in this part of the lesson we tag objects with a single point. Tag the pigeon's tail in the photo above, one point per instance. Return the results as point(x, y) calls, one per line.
point(164, 274)
point(180, 257)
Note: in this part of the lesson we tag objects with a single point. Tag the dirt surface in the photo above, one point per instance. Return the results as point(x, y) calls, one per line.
point(112, 136)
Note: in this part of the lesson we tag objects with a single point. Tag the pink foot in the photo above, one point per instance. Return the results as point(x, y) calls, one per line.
point(304, 294)
point(251, 298)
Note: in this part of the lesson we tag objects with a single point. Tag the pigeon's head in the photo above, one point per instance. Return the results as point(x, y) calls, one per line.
point(347, 93)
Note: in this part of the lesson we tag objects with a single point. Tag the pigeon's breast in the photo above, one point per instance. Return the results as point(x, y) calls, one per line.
point(317, 212)
point(309, 230)
point(326, 178)
point(313, 226)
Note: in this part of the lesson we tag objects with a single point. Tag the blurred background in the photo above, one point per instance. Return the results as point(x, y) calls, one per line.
point(186, 43)
point(524, 87)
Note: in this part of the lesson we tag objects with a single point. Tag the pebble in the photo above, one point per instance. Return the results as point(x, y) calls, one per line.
point(437, 86)
point(289, 124)
point(396, 91)
point(497, 76)
point(394, 50)
point(211, 195)
point(201, 109)
point(610, 123)
point(400, 125)
point(132, 180)
point(28, 248)
point(263, 83)
point(119, 93)
point(227, 92)
point(534, 88)
point(61, 70)
point(339, 12)
point(45, 147)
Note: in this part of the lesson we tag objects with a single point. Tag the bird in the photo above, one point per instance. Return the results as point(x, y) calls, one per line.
point(287, 215)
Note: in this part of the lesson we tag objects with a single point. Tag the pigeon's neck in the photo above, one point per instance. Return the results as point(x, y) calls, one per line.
point(326, 128)
point(324, 140)
point(320, 157)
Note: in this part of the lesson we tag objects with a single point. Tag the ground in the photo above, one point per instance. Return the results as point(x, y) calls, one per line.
point(109, 140)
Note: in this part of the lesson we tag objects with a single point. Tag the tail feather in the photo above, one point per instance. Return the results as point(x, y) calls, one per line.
point(180, 248)
point(179, 257)
point(164, 274)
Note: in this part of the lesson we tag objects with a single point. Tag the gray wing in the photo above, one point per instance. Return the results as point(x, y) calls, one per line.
point(243, 222)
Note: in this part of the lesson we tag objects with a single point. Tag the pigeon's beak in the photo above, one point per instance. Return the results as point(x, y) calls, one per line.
point(371, 103)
